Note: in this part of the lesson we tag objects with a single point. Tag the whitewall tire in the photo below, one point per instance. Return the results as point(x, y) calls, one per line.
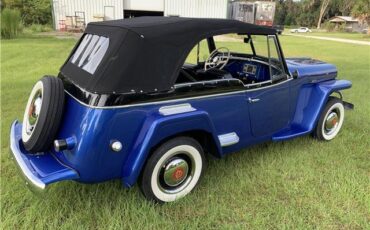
point(173, 170)
point(43, 114)
point(331, 120)
point(32, 111)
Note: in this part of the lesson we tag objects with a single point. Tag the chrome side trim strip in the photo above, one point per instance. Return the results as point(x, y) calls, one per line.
point(152, 103)
point(176, 109)
point(228, 139)
point(215, 81)
point(174, 100)
point(30, 177)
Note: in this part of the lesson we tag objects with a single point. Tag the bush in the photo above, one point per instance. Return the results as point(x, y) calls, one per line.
point(38, 28)
point(11, 23)
point(36, 12)
point(343, 28)
point(329, 26)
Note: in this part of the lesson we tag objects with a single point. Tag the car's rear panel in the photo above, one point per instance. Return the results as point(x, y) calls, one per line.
point(95, 128)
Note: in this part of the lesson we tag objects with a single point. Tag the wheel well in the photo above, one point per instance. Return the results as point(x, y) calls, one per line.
point(204, 138)
point(338, 94)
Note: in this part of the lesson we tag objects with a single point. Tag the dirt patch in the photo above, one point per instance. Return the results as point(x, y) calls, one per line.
point(334, 39)
point(61, 35)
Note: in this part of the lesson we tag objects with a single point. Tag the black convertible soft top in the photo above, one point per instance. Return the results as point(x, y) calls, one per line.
point(145, 54)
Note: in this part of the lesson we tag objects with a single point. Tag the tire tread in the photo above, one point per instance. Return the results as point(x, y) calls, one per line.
point(50, 116)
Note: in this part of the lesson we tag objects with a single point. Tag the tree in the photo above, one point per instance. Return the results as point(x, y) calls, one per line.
point(32, 11)
point(308, 12)
point(361, 10)
point(280, 13)
point(345, 6)
point(36, 11)
point(324, 6)
point(340, 7)
point(292, 10)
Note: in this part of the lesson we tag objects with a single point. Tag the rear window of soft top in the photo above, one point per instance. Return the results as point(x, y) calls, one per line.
point(90, 52)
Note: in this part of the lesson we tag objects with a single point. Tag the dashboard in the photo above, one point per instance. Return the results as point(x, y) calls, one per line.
point(250, 69)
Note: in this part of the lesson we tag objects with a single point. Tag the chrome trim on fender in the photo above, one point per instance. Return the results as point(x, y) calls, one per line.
point(29, 176)
point(176, 109)
point(228, 139)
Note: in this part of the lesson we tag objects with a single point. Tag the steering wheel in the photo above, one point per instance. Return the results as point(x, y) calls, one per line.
point(217, 59)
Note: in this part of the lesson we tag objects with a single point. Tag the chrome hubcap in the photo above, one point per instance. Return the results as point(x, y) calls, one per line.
point(34, 112)
point(175, 172)
point(331, 122)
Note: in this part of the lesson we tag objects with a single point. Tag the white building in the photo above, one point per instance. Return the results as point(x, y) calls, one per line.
point(75, 14)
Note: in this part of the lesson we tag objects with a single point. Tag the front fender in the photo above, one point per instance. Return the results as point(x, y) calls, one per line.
point(312, 101)
point(327, 88)
point(334, 85)
point(157, 128)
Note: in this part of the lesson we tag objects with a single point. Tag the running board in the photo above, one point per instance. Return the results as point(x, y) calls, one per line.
point(289, 134)
point(348, 106)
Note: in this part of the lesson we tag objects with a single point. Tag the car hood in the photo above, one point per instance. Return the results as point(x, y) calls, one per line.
point(310, 67)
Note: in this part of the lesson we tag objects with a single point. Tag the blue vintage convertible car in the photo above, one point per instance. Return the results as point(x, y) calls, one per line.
point(144, 99)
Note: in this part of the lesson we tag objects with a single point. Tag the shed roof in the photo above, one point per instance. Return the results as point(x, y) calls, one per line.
point(343, 19)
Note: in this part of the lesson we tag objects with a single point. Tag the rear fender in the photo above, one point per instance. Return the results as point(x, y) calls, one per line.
point(160, 127)
point(312, 100)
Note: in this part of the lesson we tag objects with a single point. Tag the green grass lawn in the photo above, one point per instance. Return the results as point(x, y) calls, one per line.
point(297, 184)
point(351, 36)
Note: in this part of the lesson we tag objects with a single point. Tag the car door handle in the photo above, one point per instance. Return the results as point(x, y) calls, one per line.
point(253, 100)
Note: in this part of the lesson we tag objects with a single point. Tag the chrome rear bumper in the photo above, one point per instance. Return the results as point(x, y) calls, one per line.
point(40, 169)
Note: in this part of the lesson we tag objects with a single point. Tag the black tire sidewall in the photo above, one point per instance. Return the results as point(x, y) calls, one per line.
point(146, 175)
point(50, 115)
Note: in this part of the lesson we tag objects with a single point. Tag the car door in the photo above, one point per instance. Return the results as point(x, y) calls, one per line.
point(269, 109)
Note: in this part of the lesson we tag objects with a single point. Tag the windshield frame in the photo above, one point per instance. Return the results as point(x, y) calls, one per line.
point(211, 47)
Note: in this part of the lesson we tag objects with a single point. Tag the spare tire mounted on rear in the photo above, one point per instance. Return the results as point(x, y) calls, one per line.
point(43, 114)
